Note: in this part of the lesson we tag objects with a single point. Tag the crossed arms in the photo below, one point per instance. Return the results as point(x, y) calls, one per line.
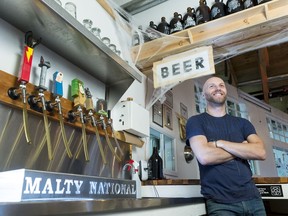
point(207, 153)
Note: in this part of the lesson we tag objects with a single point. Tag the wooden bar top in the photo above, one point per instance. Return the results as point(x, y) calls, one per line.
point(270, 180)
point(172, 182)
point(257, 180)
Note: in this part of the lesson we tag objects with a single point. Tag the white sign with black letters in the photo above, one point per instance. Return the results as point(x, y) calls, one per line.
point(191, 64)
point(24, 185)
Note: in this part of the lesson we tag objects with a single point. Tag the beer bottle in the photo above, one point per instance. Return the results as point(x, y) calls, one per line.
point(189, 19)
point(202, 12)
point(155, 166)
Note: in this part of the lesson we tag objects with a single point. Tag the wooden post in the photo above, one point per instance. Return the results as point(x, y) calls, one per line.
point(263, 59)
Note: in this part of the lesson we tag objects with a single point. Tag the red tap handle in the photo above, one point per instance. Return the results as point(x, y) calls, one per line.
point(26, 64)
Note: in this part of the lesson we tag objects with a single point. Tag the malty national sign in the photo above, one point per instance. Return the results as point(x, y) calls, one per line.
point(25, 184)
point(187, 65)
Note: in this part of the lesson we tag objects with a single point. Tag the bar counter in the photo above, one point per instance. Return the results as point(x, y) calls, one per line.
point(274, 191)
point(92, 207)
point(257, 180)
point(130, 206)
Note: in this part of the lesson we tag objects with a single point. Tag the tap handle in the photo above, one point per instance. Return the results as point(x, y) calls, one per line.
point(89, 100)
point(101, 107)
point(24, 73)
point(58, 83)
point(44, 65)
point(30, 43)
point(77, 92)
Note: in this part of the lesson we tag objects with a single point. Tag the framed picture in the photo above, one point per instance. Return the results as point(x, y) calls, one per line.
point(157, 113)
point(168, 117)
point(169, 99)
point(183, 111)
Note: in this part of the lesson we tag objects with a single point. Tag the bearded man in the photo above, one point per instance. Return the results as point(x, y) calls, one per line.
point(222, 145)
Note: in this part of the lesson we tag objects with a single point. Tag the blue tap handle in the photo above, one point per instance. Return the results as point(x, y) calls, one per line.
point(58, 83)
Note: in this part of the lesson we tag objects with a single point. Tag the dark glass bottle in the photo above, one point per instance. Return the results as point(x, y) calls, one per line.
point(248, 4)
point(155, 166)
point(262, 1)
point(144, 35)
point(189, 19)
point(163, 26)
point(152, 31)
point(202, 12)
point(176, 23)
point(234, 6)
point(152, 25)
point(218, 10)
point(135, 38)
point(139, 36)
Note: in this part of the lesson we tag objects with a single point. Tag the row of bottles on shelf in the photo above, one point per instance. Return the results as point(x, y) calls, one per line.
point(83, 107)
point(202, 14)
point(71, 8)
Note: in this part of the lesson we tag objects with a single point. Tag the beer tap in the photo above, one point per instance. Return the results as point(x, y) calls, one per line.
point(101, 104)
point(90, 115)
point(23, 78)
point(77, 92)
point(58, 93)
point(35, 101)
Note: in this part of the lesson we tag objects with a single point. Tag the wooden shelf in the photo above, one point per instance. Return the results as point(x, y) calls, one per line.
point(261, 26)
point(11, 81)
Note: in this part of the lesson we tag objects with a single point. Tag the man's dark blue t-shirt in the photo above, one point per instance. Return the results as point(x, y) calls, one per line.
point(230, 181)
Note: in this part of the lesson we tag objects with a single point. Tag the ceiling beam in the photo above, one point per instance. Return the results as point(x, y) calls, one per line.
point(136, 6)
point(230, 72)
point(263, 63)
point(258, 81)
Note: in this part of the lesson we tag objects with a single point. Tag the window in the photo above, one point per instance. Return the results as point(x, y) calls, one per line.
point(200, 103)
point(277, 130)
point(236, 109)
point(166, 146)
point(281, 161)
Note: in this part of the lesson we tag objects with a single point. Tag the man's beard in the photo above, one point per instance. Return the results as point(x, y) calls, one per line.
point(215, 100)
